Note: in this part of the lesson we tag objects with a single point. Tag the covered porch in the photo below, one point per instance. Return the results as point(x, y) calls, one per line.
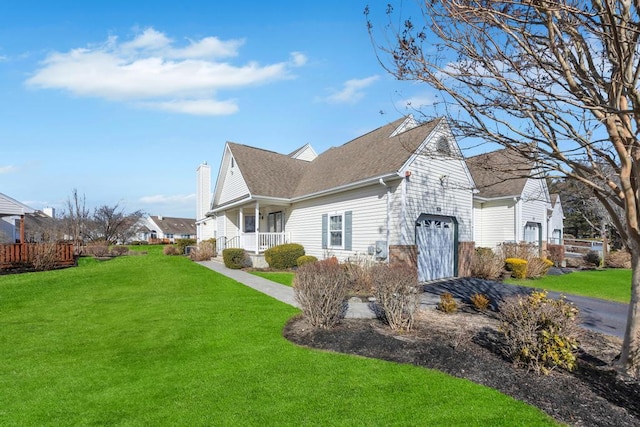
point(254, 226)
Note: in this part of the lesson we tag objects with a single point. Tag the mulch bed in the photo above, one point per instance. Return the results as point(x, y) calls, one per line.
point(467, 345)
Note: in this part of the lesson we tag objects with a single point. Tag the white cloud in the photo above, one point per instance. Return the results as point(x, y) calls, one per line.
point(166, 200)
point(8, 169)
point(352, 91)
point(197, 107)
point(298, 59)
point(153, 72)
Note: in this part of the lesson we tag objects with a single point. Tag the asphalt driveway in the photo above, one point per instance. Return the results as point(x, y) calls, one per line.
point(595, 314)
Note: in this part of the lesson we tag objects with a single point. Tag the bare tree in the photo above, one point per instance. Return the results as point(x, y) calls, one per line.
point(76, 219)
point(112, 224)
point(561, 74)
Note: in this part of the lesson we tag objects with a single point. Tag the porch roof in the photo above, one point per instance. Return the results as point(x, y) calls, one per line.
point(10, 207)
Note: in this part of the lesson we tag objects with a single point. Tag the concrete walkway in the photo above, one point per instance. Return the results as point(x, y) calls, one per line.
point(355, 310)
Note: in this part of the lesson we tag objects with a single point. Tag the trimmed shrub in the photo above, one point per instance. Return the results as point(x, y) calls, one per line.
point(486, 264)
point(397, 294)
point(538, 267)
point(593, 258)
point(305, 259)
point(282, 257)
point(480, 301)
point(321, 288)
point(556, 254)
point(447, 303)
point(540, 333)
point(517, 267)
point(170, 250)
point(204, 252)
point(618, 259)
point(234, 258)
point(181, 245)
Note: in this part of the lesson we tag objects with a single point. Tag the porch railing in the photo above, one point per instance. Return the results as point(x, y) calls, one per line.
point(248, 241)
point(15, 255)
point(269, 240)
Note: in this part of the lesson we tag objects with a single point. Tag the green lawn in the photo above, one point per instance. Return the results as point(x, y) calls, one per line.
point(159, 340)
point(609, 284)
point(282, 277)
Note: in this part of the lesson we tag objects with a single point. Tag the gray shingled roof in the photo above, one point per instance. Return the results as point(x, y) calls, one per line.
point(270, 174)
point(501, 173)
point(267, 173)
point(368, 156)
point(169, 225)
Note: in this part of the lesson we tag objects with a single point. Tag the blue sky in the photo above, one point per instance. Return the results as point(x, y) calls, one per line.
point(124, 99)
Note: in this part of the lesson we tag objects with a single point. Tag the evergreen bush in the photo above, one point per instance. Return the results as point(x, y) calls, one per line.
point(285, 256)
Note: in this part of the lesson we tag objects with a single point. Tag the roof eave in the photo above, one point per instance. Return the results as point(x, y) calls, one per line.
point(350, 186)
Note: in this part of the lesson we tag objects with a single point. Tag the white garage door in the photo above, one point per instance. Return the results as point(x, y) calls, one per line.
point(435, 238)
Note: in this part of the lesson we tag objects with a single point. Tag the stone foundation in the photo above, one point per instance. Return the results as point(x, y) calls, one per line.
point(465, 258)
point(404, 254)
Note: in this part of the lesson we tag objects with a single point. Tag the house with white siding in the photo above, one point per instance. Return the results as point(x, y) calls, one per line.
point(401, 193)
point(166, 229)
point(12, 212)
point(513, 202)
point(555, 227)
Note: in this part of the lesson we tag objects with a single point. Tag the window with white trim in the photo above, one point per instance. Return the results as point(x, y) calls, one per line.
point(336, 230)
point(249, 223)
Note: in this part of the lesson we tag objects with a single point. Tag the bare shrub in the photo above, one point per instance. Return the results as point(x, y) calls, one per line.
point(98, 248)
point(618, 259)
point(522, 250)
point(358, 270)
point(538, 267)
point(321, 288)
point(170, 250)
point(447, 303)
point(397, 294)
point(204, 252)
point(486, 264)
point(119, 250)
point(556, 254)
point(540, 333)
point(45, 256)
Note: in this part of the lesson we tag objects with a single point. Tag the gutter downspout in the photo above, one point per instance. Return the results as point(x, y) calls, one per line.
point(388, 219)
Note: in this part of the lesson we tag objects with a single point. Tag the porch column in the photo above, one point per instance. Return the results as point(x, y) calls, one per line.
point(257, 214)
point(240, 228)
point(22, 228)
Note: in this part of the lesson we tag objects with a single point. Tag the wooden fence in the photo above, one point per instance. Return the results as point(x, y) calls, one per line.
point(15, 255)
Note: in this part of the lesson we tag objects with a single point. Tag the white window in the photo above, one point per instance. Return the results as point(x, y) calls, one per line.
point(336, 230)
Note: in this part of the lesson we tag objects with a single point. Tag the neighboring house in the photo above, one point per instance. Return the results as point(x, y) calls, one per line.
point(555, 228)
point(513, 202)
point(401, 193)
point(166, 229)
point(12, 212)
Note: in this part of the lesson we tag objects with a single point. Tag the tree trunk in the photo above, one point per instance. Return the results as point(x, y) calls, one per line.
point(630, 356)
